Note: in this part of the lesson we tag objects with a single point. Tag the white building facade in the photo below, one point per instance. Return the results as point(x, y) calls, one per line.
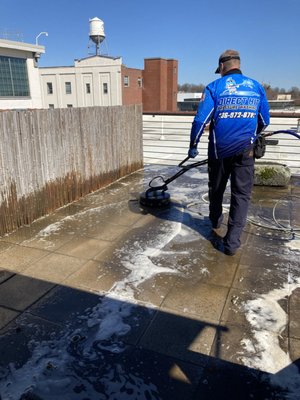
point(19, 75)
point(92, 81)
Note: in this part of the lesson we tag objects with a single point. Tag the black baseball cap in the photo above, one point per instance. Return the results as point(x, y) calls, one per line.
point(224, 59)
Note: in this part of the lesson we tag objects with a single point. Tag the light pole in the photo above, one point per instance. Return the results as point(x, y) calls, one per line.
point(41, 33)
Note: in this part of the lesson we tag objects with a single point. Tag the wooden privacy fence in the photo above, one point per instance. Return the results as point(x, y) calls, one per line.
point(49, 158)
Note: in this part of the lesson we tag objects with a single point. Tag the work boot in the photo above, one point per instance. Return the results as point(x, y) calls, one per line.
point(229, 252)
point(231, 243)
point(217, 224)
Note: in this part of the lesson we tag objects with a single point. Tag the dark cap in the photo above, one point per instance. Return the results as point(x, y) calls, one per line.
point(223, 59)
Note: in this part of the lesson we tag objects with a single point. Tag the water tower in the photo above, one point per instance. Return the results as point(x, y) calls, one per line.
point(97, 34)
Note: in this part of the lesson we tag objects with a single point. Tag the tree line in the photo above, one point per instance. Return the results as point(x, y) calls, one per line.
point(271, 92)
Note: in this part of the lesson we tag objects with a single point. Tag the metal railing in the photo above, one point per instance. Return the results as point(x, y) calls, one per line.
point(166, 140)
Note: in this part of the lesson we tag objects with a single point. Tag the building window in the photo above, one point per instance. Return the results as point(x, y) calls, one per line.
point(51, 105)
point(13, 77)
point(140, 82)
point(49, 88)
point(69, 105)
point(88, 88)
point(126, 81)
point(68, 87)
point(105, 88)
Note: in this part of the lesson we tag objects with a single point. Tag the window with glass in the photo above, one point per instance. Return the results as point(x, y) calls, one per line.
point(13, 77)
point(69, 105)
point(88, 88)
point(51, 105)
point(126, 81)
point(105, 88)
point(140, 82)
point(68, 87)
point(49, 88)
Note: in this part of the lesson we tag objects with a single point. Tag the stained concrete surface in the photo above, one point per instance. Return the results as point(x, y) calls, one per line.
point(106, 300)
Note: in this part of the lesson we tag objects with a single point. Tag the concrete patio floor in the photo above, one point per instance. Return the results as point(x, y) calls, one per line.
point(105, 300)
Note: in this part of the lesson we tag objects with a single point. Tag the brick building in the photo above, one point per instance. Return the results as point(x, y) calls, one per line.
point(155, 86)
point(132, 85)
point(160, 77)
point(105, 81)
point(91, 81)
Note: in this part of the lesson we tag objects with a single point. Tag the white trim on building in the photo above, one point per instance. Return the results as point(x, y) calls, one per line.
point(183, 96)
point(92, 81)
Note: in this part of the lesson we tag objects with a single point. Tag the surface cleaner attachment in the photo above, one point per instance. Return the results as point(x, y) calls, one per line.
point(157, 196)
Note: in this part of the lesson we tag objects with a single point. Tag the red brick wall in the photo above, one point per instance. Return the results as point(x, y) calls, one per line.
point(160, 85)
point(151, 92)
point(133, 94)
point(172, 85)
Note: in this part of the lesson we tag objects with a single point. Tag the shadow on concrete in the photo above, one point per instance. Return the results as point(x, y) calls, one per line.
point(177, 212)
point(261, 213)
point(73, 344)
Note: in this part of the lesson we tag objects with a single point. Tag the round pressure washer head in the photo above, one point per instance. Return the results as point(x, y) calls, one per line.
point(155, 198)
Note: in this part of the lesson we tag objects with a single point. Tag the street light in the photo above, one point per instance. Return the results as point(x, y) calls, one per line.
point(41, 33)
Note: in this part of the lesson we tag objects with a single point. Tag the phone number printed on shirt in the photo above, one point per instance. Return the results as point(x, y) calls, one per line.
point(237, 114)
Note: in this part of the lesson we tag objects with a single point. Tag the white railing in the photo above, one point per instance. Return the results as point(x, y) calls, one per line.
point(166, 141)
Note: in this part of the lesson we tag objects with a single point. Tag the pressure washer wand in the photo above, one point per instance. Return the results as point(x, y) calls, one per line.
point(183, 170)
point(182, 162)
point(156, 196)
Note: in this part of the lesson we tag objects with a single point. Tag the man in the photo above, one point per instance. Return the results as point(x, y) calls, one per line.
point(237, 109)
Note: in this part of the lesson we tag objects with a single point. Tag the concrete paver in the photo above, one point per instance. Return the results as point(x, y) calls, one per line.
point(20, 291)
point(294, 310)
point(201, 300)
point(83, 247)
point(54, 268)
point(294, 347)
point(4, 275)
point(187, 338)
point(95, 276)
point(7, 316)
point(17, 258)
point(106, 300)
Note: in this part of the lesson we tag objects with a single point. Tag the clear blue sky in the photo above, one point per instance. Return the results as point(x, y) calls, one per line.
point(195, 32)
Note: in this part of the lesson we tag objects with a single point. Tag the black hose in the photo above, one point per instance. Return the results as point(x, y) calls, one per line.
point(289, 132)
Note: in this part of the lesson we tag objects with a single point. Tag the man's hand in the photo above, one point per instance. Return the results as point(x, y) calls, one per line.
point(193, 153)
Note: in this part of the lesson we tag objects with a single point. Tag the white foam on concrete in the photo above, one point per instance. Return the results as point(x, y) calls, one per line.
point(263, 351)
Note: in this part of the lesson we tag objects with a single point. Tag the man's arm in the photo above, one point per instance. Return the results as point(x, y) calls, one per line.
point(263, 113)
point(203, 116)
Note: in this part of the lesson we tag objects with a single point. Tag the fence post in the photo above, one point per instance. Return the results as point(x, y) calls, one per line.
point(162, 129)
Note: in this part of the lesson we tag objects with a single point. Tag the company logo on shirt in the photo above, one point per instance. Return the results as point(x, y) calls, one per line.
point(238, 102)
point(231, 86)
point(234, 88)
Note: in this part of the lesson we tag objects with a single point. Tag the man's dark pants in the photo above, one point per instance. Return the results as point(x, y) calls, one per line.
point(240, 169)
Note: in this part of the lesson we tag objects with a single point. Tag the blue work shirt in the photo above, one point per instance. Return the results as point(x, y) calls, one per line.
point(237, 108)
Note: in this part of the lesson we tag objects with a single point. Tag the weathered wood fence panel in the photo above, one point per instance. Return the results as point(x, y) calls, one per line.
point(49, 158)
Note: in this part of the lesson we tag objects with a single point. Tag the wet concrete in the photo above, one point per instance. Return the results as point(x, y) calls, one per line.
point(106, 300)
